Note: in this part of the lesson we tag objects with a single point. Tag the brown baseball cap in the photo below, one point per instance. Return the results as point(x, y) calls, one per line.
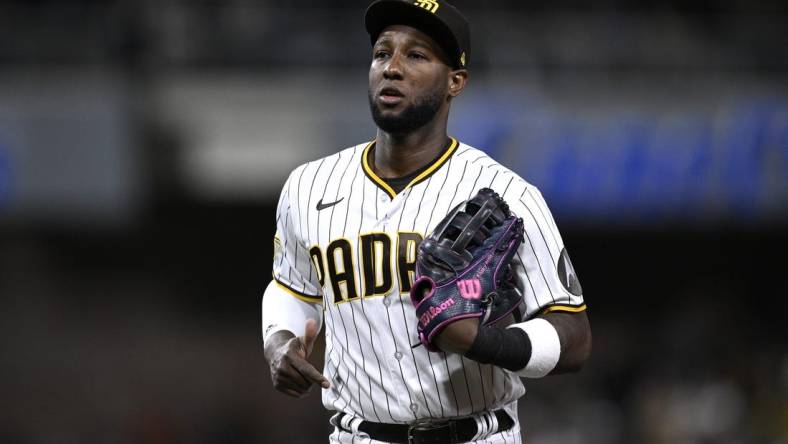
point(436, 18)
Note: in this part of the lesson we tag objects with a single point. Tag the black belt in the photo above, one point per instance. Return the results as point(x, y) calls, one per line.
point(449, 431)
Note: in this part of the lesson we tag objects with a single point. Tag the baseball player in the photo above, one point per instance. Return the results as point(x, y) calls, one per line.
point(352, 238)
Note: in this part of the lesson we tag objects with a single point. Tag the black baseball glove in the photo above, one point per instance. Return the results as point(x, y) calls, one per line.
point(463, 269)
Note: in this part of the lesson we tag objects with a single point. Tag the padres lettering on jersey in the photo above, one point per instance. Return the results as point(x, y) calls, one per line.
point(347, 241)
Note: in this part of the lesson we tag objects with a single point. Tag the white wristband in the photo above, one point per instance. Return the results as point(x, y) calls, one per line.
point(545, 347)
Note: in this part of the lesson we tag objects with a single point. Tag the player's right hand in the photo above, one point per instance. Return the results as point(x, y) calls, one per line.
point(291, 372)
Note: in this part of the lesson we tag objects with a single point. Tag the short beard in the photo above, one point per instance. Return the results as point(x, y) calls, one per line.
point(412, 117)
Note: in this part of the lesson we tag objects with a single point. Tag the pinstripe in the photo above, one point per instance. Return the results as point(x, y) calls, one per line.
point(541, 233)
point(478, 365)
point(507, 187)
point(528, 278)
point(539, 264)
point(456, 188)
point(295, 260)
point(429, 224)
point(330, 310)
point(377, 191)
point(280, 204)
point(493, 179)
point(536, 255)
point(363, 303)
point(549, 220)
point(284, 199)
point(418, 209)
point(462, 360)
point(286, 236)
point(309, 199)
point(353, 313)
point(402, 308)
point(505, 380)
point(493, 371)
point(300, 218)
point(341, 317)
point(437, 199)
point(399, 363)
point(413, 228)
point(331, 369)
point(473, 187)
point(341, 385)
point(481, 381)
point(323, 196)
point(391, 328)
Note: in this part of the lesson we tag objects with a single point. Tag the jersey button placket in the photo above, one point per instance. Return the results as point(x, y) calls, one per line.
point(398, 387)
point(392, 205)
point(385, 201)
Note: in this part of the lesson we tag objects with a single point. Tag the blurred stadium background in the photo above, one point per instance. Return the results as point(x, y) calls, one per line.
point(143, 144)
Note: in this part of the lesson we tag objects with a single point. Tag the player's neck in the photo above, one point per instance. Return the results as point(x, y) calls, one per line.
point(397, 155)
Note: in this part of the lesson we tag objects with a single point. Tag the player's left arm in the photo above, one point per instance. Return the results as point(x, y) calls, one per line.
point(571, 343)
point(550, 287)
point(556, 322)
point(556, 335)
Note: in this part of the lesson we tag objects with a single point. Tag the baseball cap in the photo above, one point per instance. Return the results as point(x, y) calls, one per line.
point(436, 18)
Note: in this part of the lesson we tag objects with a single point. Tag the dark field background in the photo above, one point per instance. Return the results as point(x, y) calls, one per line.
point(143, 146)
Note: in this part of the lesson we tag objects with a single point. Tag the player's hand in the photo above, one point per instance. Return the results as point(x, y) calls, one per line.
point(458, 336)
point(287, 356)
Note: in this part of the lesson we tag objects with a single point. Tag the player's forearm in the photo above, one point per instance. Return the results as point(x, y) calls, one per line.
point(574, 334)
point(550, 344)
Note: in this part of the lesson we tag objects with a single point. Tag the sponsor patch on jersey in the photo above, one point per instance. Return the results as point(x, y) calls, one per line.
point(567, 275)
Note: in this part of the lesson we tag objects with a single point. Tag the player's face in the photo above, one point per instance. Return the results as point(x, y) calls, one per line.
point(409, 80)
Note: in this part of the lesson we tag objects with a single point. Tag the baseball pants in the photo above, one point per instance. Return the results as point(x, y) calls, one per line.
point(511, 436)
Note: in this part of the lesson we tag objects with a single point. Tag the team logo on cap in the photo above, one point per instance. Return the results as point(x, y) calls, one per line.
point(462, 59)
point(429, 5)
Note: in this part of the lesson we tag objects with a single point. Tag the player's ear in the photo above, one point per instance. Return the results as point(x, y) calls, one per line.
point(457, 81)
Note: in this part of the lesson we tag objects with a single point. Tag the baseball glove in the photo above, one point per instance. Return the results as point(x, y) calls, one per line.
point(463, 269)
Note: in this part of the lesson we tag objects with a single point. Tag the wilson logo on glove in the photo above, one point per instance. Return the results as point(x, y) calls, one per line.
point(470, 288)
point(435, 311)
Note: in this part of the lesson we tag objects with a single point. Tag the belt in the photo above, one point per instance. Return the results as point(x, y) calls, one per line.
point(448, 431)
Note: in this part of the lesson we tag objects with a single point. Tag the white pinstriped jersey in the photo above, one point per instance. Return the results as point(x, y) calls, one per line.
point(347, 241)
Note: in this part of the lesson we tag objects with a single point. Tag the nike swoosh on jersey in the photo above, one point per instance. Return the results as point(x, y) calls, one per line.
point(322, 206)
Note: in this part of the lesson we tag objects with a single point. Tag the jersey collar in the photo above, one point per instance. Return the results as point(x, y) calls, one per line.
point(420, 178)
